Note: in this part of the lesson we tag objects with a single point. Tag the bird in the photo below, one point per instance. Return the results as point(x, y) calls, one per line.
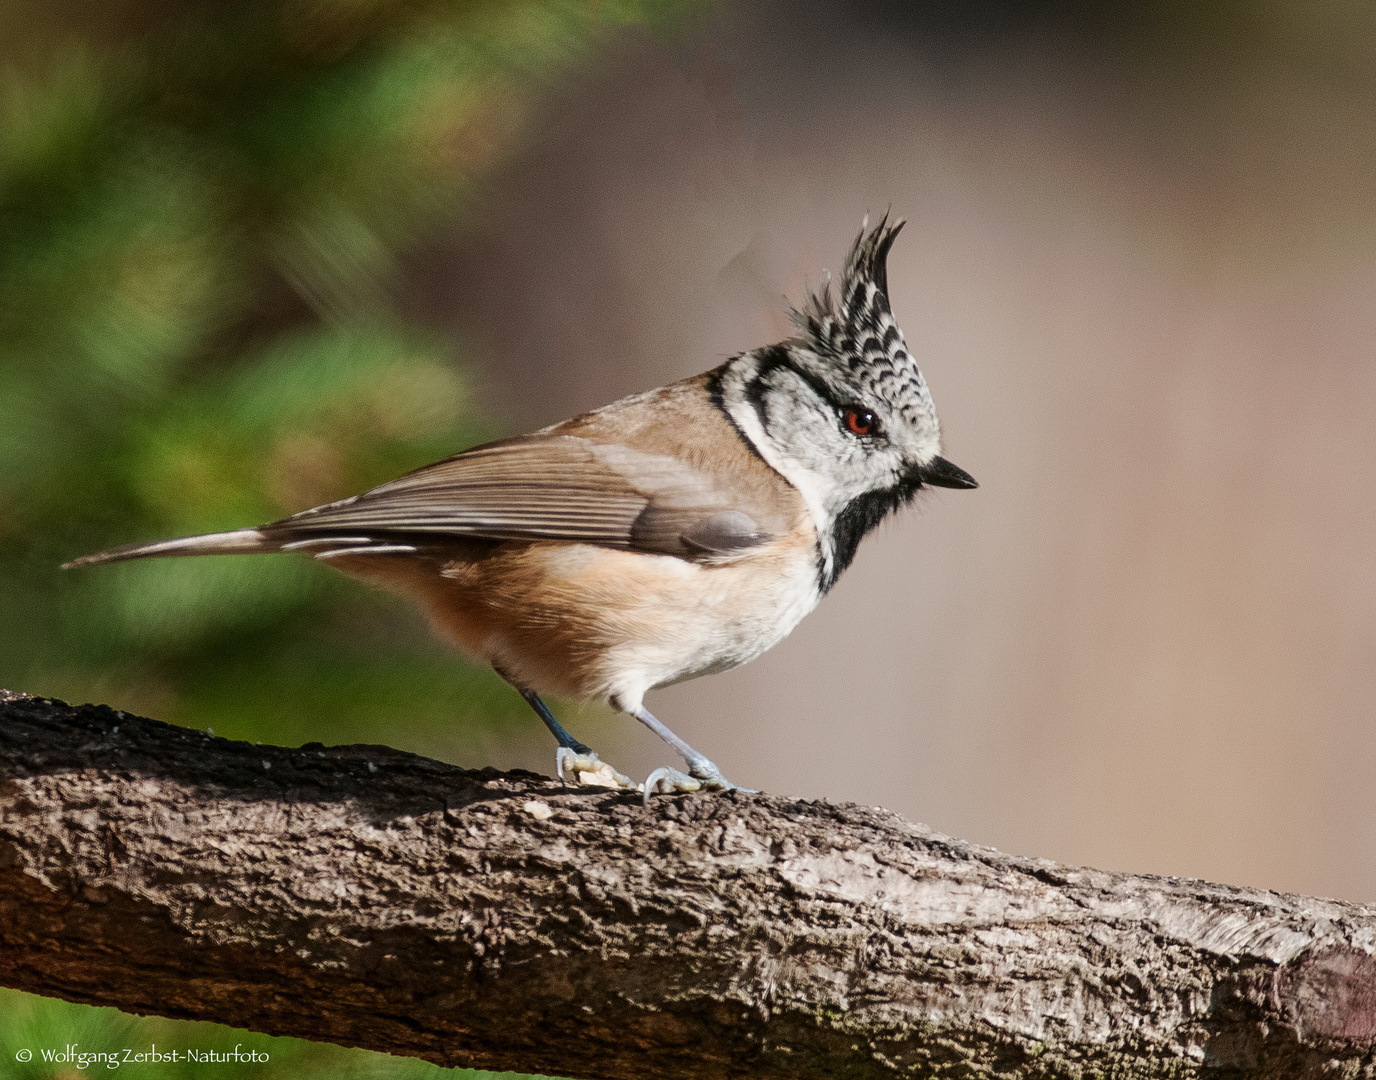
point(674, 533)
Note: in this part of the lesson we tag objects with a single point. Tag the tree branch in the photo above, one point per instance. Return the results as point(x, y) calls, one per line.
point(497, 920)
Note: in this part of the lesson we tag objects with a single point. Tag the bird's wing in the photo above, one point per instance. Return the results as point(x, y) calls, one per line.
point(545, 487)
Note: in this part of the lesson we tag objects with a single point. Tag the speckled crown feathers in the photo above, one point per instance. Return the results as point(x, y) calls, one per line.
point(857, 329)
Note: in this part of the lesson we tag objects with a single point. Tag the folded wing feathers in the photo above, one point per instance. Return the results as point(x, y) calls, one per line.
point(551, 488)
point(535, 488)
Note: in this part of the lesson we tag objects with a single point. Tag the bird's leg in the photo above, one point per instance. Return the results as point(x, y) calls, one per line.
point(572, 756)
point(702, 773)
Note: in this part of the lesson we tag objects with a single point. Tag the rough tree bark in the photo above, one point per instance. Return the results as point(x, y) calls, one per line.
point(497, 920)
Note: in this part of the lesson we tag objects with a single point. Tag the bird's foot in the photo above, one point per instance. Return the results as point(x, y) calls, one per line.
point(701, 776)
point(587, 769)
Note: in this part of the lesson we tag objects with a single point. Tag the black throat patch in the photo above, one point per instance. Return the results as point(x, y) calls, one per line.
point(857, 520)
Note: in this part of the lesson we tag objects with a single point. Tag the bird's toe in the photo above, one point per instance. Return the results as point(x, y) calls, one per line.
point(587, 769)
point(669, 781)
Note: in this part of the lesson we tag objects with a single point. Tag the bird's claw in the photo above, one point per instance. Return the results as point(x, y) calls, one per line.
point(669, 780)
point(698, 778)
point(589, 770)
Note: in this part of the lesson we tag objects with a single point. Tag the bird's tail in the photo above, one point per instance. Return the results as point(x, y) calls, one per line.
point(239, 542)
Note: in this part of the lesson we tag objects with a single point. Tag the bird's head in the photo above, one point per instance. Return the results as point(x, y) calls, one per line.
point(841, 410)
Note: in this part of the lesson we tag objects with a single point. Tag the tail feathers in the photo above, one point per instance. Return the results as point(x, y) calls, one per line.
point(239, 542)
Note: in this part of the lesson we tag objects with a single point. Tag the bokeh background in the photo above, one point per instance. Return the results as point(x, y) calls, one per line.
point(257, 256)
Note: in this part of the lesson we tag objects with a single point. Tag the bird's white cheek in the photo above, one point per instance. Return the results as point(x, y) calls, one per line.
point(818, 490)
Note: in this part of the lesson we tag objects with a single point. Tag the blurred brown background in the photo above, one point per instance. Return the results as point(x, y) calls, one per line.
point(262, 254)
point(1140, 276)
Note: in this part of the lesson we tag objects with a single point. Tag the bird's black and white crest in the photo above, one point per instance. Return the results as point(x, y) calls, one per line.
point(797, 403)
point(857, 328)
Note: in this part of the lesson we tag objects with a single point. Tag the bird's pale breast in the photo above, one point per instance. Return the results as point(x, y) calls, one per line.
point(595, 622)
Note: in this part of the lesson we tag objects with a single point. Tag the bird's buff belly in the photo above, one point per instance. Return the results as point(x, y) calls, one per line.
point(596, 622)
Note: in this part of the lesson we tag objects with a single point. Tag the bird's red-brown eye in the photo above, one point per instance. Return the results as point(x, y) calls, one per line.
point(861, 421)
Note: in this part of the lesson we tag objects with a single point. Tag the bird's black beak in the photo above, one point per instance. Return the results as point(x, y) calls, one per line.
point(941, 473)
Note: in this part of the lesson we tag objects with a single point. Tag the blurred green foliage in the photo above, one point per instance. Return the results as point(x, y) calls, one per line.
point(46, 1029)
point(199, 231)
point(201, 219)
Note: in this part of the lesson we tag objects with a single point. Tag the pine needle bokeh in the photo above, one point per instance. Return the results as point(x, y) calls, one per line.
point(198, 232)
point(202, 208)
